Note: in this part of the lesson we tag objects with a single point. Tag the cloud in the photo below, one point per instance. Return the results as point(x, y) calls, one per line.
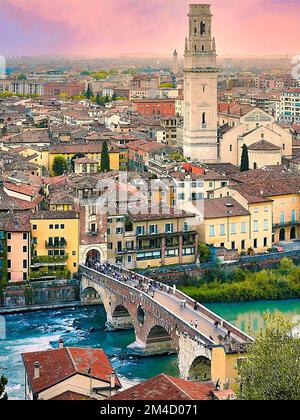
point(111, 27)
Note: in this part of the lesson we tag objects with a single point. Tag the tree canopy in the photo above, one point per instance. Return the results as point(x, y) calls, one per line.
point(271, 372)
point(60, 166)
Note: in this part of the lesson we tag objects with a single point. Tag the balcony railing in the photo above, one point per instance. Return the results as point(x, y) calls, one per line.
point(56, 244)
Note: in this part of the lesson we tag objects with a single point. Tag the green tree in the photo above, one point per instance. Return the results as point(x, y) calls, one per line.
point(177, 156)
point(60, 166)
point(204, 253)
point(98, 99)
point(271, 372)
point(3, 383)
point(245, 159)
point(105, 161)
point(89, 92)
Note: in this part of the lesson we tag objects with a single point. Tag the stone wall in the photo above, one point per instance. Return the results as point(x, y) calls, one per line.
point(41, 293)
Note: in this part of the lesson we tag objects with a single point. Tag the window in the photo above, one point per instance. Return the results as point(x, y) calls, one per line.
point(230, 148)
point(211, 231)
point(233, 245)
point(153, 230)
point(243, 227)
point(56, 227)
point(202, 28)
point(265, 242)
point(293, 216)
point(255, 226)
point(62, 226)
point(203, 118)
point(24, 276)
point(24, 236)
point(282, 217)
point(266, 224)
point(169, 228)
point(51, 227)
point(129, 259)
point(9, 248)
point(186, 227)
point(243, 245)
point(34, 227)
point(119, 231)
point(140, 230)
point(25, 249)
point(255, 243)
point(233, 228)
point(9, 236)
point(222, 230)
point(24, 263)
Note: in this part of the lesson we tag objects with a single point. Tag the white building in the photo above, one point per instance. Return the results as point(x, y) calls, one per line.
point(290, 106)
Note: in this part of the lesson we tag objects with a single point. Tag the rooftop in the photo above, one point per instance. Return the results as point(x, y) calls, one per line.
point(164, 387)
point(61, 364)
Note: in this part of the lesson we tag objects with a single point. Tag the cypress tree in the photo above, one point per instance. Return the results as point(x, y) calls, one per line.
point(105, 161)
point(88, 93)
point(98, 100)
point(245, 159)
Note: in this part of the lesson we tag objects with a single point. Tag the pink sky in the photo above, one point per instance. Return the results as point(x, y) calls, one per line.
point(113, 27)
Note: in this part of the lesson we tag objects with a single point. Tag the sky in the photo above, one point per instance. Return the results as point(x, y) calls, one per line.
point(116, 27)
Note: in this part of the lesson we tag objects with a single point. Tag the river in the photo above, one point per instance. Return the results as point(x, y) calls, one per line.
point(41, 330)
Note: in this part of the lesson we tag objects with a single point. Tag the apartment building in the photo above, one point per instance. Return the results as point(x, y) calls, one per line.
point(55, 238)
point(228, 224)
point(144, 241)
point(290, 106)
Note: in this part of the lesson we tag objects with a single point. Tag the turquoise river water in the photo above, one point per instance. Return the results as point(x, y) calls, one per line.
point(41, 330)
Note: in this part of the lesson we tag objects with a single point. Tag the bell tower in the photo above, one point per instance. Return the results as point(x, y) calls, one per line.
point(200, 87)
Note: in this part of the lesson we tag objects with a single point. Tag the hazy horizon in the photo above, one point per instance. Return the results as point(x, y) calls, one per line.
point(114, 28)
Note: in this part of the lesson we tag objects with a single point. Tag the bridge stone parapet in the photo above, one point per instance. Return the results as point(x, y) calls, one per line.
point(160, 328)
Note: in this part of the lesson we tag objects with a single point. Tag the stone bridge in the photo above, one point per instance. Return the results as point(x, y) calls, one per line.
point(167, 322)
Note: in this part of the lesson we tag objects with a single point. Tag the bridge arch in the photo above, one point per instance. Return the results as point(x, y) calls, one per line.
point(200, 369)
point(90, 296)
point(121, 318)
point(159, 341)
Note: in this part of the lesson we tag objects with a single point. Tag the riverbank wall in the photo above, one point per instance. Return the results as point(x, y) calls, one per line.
point(174, 275)
point(40, 295)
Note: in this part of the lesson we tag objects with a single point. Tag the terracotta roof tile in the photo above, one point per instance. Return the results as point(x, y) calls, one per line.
point(164, 387)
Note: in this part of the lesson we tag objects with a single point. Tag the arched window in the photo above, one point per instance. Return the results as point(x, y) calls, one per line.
point(202, 28)
point(202, 47)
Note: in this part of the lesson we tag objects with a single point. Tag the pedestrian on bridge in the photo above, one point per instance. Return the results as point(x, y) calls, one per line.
point(196, 324)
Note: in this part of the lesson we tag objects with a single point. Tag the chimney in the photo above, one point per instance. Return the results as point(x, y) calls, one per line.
point(113, 380)
point(36, 371)
point(61, 343)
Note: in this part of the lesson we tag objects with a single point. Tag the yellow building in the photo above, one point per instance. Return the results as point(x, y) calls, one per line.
point(90, 151)
point(235, 226)
point(55, 242)
point(144, 241)
point(39, 156)
point(224, 367)
point(259, 227)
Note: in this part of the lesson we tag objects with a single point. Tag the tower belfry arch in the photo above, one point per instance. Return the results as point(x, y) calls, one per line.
point(200, 87)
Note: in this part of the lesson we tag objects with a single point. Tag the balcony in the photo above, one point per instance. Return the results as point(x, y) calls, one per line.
point(286, 223)
point(49, 260)
point(61, 244)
